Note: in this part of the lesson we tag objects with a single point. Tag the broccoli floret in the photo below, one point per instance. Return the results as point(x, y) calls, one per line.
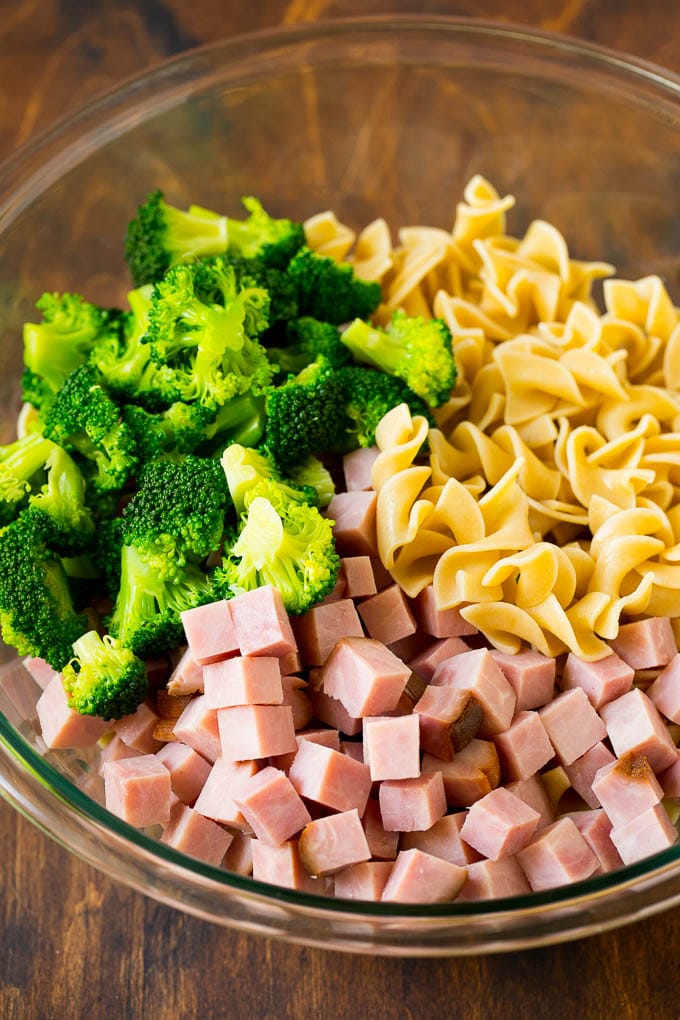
point(370, 394)
point(22, 465)
point(37, 614)
point(308, 339)
point(240, 420)
point(103, 678)
point(106, 554)
point(124, 361)
point(65, 520)
point(61, 342)
point(203, 329)
point(329, 291)
point(161, 236)
point(290, 547)
point(146, 615)
point(282, 291)
point(177, 514)
point(415, 350)
point(313, 473)
point(273, 241)
point(307, 416)
point(84, 418)
point(251, 473)
point(178, 430)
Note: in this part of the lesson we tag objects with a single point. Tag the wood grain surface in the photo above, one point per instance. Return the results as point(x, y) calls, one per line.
point(72, 943)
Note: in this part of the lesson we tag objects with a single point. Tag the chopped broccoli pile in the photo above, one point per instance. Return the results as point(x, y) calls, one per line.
point(180, 449)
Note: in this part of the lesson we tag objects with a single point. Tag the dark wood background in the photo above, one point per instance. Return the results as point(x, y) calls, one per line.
point(72, 943)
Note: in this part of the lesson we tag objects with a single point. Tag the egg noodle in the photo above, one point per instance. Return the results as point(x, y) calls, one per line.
point(546, 503)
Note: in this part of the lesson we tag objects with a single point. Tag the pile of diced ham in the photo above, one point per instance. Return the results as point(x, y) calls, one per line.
point(376, 748)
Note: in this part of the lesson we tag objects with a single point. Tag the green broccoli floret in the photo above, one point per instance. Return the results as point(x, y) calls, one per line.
point(415, 350)
point(61, 342)
point(273, 241)
point(329, 290)
point(124, 361)
point(313, 473)
point(370, 394)
point(251, 473)
point(106, 554)
point(308, 339)
point(177, 514)
point(103, 678)
point(240, 420)
point(203, 329)
point(37, 614)
point(146, 615)
point(282, 291)
point(306, 416)
point(177, 430)
point(161, 236)
point(65, 519)
point(22, 465)
point(289, 547)
point(84, 418)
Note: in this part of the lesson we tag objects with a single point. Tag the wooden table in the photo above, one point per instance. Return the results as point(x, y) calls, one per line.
point(72, 943)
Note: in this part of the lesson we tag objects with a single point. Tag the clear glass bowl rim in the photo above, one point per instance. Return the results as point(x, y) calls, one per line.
point(34, 167)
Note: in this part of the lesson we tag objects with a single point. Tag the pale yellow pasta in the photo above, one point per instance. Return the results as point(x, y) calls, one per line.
point(326, 235)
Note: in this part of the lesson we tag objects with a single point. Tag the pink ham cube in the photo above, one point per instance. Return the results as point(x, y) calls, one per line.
point(387, 616)
point(329, 844)
point(595, 827)
point(60, 725)
point(186, 677)
point(243, 680)
point(557, 856)
point(271, 806)
point(627, 788)
point(449, 719)
point(492, 880)
point(572, 724)
point(334, 714)
point(533, 792)
point(524, 748)
point(357, 467)
point(330, 778)
point(602, 680)
point(383, 844)
point(418, 877)
point(197, 727)
point(646, 644)
point(354, 514)
point(499, 824)
point(357, 574)
point(210, 632)
point(365, 881)
point(295, 694)
point(256, 731)
point(531, 674)
point(281, 865)
point(188, 770)
point(113, 750)
point(365, 676)
point(137, 729)
point(476, 671)
point(216, 799)
point(670, 780)
point(239, 855)
point(392, 747)
point(319, 630)
point(582, 771)
point(261, 622)
point(411, 805)
point(665, 691)
point(426, 661)
point(634, 725)
point(647, 834)
point(138, 790)
point(40, 670)
point(196, 836)
point(473, 773)
point(443, 840)
point(440, 623)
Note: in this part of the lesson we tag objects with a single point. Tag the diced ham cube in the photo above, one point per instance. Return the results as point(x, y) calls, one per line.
point(392, 747)
point(411, 805)
point(290, 663)
point(329, 844)
point(443, 840)
point(61, 726)
point(188, 770)
point(646, 643)
point(665, 691)
point(572, 724)
point(332, 712)
point(243, 680)
point(634, 725)
point(647, 834)
point(440, 623)
point(417, 877)
point(670, 781)
point(533, 792)
point(197, 727)
point(40, 670)
point(473, 773)
point(531, 674)
point(320, 628)
point(223, 783)
point(186, 677)
point(138, 728)
point(271, 806)
point(357, 467)
point(382, 844)
point(477, 672)
point(113, 750)
point(357, 574)
point(138, 790)
point(602, 680)
point(365, 881)
point(499, 824)
point(558, 855)
point(196, 836)
point(210, 632)
point(330, 778)
point(261, 622)
point(336, 593)
point(281, 865)
point(491, 880)
point(627, 788)
point(365, 676)
point(449, 719)
point(354, 514)
point(582, 771)
point(256, 731)
point(387, 616)
point(595, 827)
point(426, 661)
point(239, 855)
point(381, 573)
point(524, 748)
point(295, 695)
point(329, 738)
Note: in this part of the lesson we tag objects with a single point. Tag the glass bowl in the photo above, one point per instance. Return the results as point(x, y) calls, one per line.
point(368, 117)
